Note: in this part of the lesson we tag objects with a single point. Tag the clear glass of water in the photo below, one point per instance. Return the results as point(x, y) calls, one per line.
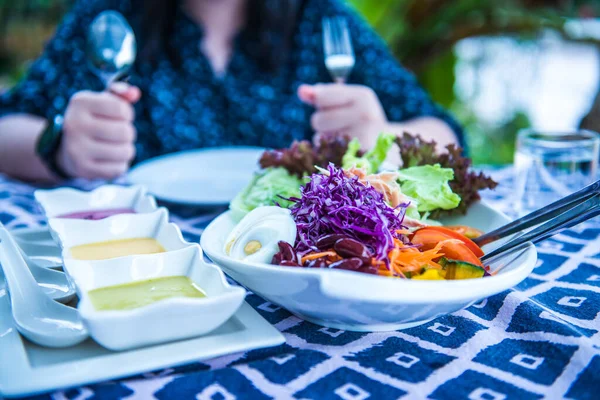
point(551, 165)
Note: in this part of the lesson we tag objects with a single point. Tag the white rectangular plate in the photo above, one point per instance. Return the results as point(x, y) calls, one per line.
point(26, 368)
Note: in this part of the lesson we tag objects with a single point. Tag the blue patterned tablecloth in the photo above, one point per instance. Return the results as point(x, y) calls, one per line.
point(539, 340)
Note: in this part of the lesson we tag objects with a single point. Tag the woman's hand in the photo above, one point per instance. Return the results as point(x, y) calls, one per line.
point(98, 133)
point(352, 110)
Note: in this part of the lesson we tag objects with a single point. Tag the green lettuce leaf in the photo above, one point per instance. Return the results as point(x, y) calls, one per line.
point(428, 185)
point(414, 151)
point(266, 189)
point(372, 159)
point(351, 158)
point(378, 153)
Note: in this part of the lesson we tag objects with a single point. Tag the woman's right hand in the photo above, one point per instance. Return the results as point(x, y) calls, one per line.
point(98, 133)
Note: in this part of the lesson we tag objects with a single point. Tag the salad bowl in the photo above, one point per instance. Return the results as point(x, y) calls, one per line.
point(361, 302)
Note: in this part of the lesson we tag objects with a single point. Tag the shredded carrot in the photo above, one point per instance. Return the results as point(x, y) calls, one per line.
point(314, 256)
point(405, 259)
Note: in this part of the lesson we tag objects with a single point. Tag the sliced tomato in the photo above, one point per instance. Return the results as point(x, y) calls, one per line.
point(453, 249)
point(467, 231)
point(451, 234)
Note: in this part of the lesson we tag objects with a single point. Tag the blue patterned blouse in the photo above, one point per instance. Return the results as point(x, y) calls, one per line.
point(189, 107)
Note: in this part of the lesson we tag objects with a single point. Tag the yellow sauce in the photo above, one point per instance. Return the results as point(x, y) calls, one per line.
point(141, 293)
point(116, 248)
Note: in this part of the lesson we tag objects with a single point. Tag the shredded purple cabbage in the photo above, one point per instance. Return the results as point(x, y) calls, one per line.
point(343, 205)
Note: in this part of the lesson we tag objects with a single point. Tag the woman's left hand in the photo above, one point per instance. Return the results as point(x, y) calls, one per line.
point(352, 110)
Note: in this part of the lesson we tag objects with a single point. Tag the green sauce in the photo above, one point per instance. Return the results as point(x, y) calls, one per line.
point(141, 293)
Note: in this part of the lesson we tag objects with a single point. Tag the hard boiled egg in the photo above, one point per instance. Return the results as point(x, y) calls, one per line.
point(256, 236)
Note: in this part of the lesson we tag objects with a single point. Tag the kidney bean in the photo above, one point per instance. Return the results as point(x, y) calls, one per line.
point(317, 263)
point(277, 259)
point(368, 270)
point(352, 248)
point(351, 264)
point(287, 251)
point(327, 241)
point(288, 263)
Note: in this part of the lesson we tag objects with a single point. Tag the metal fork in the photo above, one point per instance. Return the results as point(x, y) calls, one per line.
point(337, 46)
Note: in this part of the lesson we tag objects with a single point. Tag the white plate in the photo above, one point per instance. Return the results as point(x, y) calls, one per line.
point(27, 369)
point(203, 177)
point(353, 301)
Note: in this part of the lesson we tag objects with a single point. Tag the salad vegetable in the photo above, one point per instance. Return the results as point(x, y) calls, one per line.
point(344, 222)
point(270, 187)
point(444, 233)
point(371, 161)
point(428, 185)
point(452, 269)
point(338, 204)
point(302, 158)
point(454, 248)
point(466, 231)
point(387, 184)
point(408, 259)
point(414, 151)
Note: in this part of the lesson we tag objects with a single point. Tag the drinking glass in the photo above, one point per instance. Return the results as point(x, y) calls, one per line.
point(551, 165)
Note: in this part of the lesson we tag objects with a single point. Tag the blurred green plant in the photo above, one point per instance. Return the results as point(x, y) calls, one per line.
point(24, 27)
point(419, 31)
point(422, 34)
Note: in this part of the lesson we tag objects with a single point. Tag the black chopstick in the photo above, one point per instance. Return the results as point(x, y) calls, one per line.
point(542, 215)
point(573, 216)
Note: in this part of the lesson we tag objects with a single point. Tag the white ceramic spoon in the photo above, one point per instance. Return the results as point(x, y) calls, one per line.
point(43, 255)
point(40, 257)
point(39, 245)
point(54, 283)
point(37, 317)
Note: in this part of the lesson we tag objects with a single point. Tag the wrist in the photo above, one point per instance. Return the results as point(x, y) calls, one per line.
point(49, 144)
point(63, 161)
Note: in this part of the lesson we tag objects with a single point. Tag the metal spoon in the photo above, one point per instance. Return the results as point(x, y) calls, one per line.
point(37, 317)
point(111, 46)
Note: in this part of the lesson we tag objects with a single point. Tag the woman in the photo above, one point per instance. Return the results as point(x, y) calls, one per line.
point(209, 73)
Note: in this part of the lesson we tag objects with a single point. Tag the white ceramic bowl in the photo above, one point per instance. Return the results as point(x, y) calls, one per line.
point(75, 232)
point(162, 321)
point(62, 201)
point(354, 301)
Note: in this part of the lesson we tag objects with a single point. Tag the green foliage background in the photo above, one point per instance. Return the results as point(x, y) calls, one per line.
point(421, 33)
